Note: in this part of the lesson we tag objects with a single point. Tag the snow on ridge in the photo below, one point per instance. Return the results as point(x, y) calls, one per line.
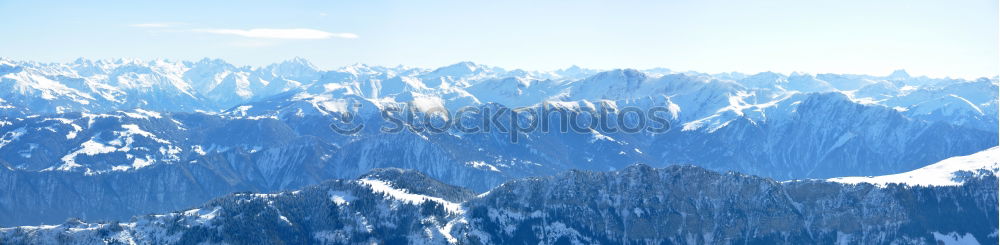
point(379, 186)
point(201, 216)
point(942, 173)
point(482, 165)
point(89, 148)
point(11, 136)
point(124, 143)
point(142, 114)
point(132, 129)
point(341, 198)
point(954, 238)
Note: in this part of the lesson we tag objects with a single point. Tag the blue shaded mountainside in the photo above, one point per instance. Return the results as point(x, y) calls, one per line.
point(638, 204)
point(114, 163)
point(111, 139)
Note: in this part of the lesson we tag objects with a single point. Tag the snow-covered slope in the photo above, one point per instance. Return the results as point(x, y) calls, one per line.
point(949, 172)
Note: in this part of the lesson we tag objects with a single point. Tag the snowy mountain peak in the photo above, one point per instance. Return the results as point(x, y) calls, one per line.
point(458, 70)
point(763, 80)
point(297, 68)
point(622, 74)
point(297, 61)
point(212, 62)
point(899, 75)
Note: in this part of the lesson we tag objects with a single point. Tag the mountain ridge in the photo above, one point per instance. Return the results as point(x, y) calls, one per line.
point(637, 203)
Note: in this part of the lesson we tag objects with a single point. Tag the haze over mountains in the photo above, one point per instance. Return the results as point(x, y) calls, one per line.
point(110, 139)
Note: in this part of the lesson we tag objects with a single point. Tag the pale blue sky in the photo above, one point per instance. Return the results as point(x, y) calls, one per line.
point(926, 37)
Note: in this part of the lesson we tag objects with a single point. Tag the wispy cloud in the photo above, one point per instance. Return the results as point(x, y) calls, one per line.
point(155, 25)
point(293, 33)
point(253, 43)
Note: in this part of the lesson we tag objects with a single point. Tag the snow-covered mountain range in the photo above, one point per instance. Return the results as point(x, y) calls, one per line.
point(213, 85)
point(638, 204)
point(110, 139)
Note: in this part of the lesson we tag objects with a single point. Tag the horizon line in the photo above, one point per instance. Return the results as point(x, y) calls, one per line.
point(432, 68)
